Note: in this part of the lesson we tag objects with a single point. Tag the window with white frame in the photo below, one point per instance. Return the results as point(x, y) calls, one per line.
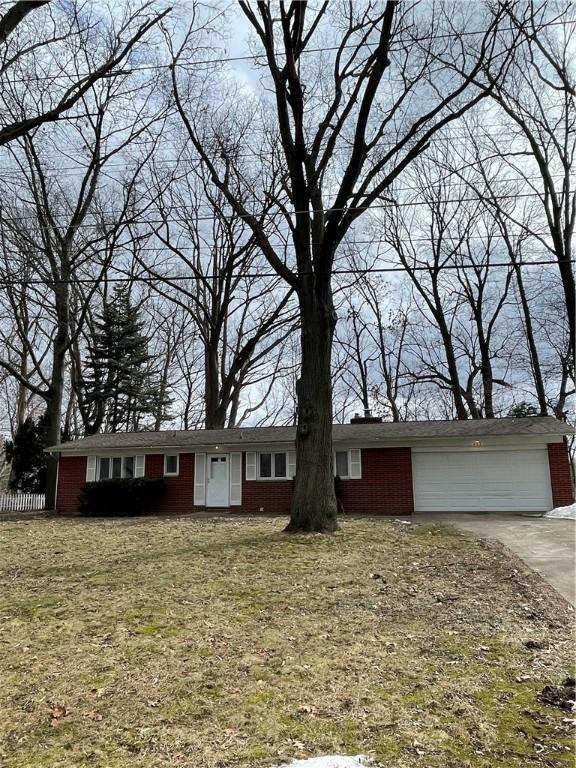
point(348, 464)
point(341, 464)
point(112, 467)
point(272, 466)
point(171, 464)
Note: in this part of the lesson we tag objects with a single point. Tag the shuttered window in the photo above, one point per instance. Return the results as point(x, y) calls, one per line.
point(139, 466)
point(116, 467)
point(272, 466)
point(91, 466)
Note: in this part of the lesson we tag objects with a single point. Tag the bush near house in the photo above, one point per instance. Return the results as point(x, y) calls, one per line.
point(121, 497)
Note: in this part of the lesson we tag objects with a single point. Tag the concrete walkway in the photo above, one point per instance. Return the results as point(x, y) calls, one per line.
point(546, 545)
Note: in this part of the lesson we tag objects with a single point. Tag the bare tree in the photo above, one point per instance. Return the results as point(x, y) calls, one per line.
point(451, 249)
point(59, 231)
point(337, 121)
point(208, 264)
point(510, 189)
point(538, 98)
point(31, 49)
point(380, 329)
point(352, 345)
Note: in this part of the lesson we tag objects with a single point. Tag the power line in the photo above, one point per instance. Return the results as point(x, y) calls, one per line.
point(258, 56)
point(372, 241)
point(389, 204)
point(257, 275)
point(76, 169)
point(508, 179)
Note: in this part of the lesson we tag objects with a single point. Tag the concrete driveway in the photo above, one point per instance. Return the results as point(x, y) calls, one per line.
point(546, 545)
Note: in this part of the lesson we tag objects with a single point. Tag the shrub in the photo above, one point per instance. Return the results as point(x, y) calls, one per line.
point(120, 497)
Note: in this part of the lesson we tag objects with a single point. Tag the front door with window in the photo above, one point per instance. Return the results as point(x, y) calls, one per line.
point(218, 481)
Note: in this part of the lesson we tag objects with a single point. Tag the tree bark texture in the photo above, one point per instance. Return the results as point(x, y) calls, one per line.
point(314, 507)
point(54, 398)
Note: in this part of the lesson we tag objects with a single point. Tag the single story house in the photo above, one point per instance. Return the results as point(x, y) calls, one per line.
point(500, 465)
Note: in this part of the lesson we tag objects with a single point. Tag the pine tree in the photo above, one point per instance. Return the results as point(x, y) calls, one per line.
point(523, 409)
point(122, 387)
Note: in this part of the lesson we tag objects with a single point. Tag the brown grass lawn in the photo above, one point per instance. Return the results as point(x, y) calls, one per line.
point(222, 642)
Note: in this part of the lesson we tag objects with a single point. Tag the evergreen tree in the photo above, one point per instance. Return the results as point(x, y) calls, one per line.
point(122, 386)
point(523, 409)
point(27, 458)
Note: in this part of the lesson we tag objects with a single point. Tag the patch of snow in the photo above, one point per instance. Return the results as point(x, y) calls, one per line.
point(568, 513)
point(331, 761)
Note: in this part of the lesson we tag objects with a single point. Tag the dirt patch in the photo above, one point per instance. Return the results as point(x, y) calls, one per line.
point(223, 643)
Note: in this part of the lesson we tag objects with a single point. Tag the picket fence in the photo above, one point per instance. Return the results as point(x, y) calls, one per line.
point(21, 502)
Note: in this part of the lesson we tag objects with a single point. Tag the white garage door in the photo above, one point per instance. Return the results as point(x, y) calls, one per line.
point(483, 481)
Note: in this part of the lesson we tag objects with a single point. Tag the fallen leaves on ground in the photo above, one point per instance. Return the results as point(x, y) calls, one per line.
point(223, 643)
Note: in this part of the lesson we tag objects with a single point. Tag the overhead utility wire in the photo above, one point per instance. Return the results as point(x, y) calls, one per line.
point(526, 179)
point(176, 162)
point(253, 275)
point(257, 56)
point(389, 204)
point(373, 241)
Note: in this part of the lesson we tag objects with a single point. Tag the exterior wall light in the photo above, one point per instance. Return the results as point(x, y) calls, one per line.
point(477, 443)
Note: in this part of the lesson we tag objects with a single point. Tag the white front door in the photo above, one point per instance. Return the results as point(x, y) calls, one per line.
point(217, 481)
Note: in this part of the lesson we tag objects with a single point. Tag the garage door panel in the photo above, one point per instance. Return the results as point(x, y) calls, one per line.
point(488, 481)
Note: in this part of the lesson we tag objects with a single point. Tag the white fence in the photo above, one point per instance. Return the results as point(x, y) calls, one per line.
point(21, 502)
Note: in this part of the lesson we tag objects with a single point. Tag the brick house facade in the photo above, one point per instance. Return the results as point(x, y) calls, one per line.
point(387, 469)
point(560, 474)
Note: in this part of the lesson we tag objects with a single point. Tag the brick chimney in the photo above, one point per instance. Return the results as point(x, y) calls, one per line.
point(366, 419)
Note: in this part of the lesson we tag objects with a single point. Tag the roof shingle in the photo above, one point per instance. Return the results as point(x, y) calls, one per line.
point(353, 433)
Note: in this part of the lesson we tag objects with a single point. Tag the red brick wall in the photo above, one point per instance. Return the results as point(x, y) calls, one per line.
point(385, 487)
point(179, 496)
point(386, 484)
point(560, 476)
point(267, 497)
point(178, 499)
point(71, 478)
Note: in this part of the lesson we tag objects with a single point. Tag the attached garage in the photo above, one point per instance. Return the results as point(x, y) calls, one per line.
point(383, 468)
point(482, 481)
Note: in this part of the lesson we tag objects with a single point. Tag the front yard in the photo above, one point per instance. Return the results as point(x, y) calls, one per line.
point(221, 642)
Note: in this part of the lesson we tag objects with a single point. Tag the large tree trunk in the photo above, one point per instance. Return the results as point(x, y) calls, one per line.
point(386, 372)
point(54, 399)
point(452, 365)
point(215, 415)
point(313, 500)
point(54, 418)
point(567, 275)
point(23, 394)
point(531, 342)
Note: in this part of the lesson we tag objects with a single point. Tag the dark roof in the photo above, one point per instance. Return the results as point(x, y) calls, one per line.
point(354, 433)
